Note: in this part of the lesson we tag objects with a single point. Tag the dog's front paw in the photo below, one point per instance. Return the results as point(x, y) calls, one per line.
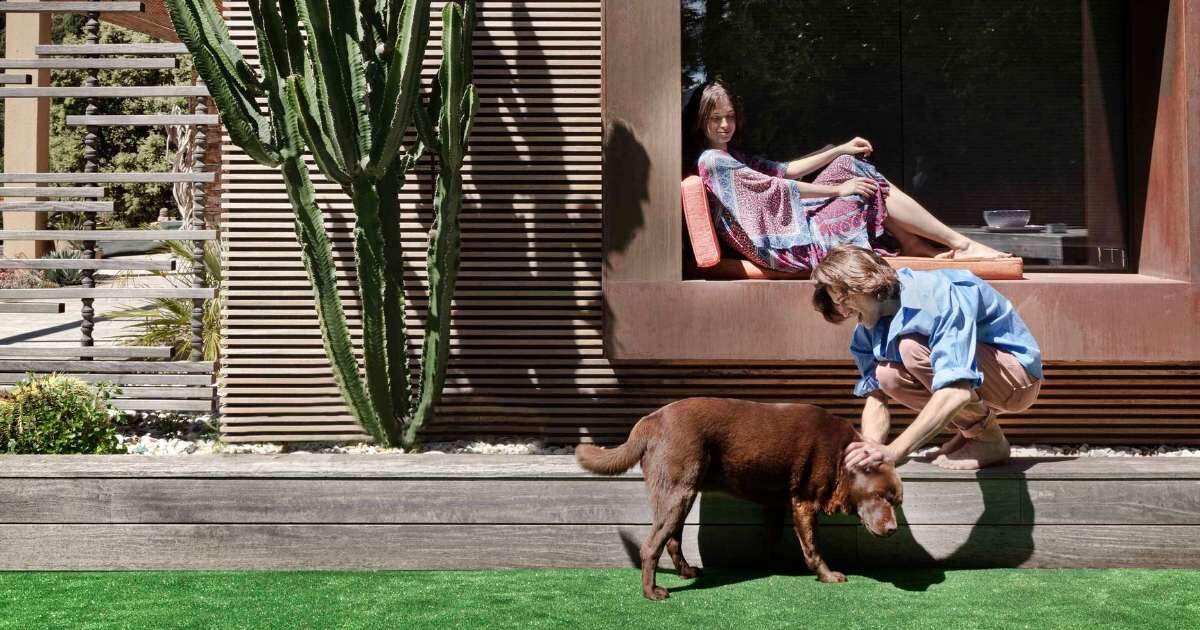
point(689, 573)
point(656, 594)
point(832, 577)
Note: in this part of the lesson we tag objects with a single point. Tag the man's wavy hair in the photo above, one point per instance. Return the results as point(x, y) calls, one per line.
point(699, 107)
point(851, 269)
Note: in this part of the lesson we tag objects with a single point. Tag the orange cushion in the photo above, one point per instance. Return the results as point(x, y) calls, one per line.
point(710, 266)
point(701, 233)
point(737, 269)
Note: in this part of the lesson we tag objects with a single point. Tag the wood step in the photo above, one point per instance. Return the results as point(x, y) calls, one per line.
point(105, 178)
point(118, 63)
point(84, 263)
point(158, 404)
point(99, 352)
point(108, 235)
point(71, 7)
point(107, 367)
point(143, 120)
point(108, 292)
point(15, 79)
point(93, 192)
point(110, 49)
point(145, 91)
point(32, 307)
point(56, 206)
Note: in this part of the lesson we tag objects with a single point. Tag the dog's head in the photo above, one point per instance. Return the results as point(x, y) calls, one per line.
point(871, 495)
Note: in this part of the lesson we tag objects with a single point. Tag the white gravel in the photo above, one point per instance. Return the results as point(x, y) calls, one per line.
point(153, 433)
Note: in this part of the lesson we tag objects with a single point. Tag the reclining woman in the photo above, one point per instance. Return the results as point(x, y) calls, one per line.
point(780, 223)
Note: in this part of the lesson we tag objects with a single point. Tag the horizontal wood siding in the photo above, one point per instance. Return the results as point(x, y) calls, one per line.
point(527, 353)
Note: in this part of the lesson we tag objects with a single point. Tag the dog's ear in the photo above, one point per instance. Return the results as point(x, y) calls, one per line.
point(840, 501)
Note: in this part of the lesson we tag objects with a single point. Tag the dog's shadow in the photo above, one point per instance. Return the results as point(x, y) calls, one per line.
point(734, 545)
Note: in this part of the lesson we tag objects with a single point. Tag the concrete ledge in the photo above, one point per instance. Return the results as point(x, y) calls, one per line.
point(465, 511)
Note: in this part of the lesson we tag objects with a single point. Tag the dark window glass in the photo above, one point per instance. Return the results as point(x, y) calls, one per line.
point(971, 105)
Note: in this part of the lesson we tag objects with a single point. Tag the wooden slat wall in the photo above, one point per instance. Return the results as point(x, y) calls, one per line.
point(527, 355)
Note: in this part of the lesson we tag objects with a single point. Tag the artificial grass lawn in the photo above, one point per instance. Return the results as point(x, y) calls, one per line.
point(607, 598)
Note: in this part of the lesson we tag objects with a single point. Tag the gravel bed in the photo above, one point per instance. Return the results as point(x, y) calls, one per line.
point(153, 433)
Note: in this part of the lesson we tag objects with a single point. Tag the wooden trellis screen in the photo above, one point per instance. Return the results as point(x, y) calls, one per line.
point(148, 379)
point(527, 355)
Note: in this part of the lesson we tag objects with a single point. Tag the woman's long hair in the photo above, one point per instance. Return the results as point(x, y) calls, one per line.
point(699, 107)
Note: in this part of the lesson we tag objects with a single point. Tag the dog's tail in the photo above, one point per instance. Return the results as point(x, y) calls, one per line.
point(614, 461)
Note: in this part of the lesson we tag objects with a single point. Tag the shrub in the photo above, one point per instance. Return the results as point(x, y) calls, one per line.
point(21, 279)
point(52, 413)
point(64, 277)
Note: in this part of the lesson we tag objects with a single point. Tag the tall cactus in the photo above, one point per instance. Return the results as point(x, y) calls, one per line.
point(344, 82)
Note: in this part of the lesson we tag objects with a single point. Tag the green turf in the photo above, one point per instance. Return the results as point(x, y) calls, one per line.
point(563, 598)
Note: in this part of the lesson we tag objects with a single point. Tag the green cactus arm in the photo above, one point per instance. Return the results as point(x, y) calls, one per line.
point(310, 129)
point(247, 127)
point(317, 254)
point(275, 58)
point(470, 108)
point(348, 33)
point(403, 85)
point(371, 279)
point(292, 34)
point(222, 48)
point(327, 52)
point(394, 300)
point(451, 77)
point(425, 131)
point(442, 269)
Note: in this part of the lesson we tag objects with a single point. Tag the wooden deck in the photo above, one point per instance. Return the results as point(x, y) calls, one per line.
point(299, 511)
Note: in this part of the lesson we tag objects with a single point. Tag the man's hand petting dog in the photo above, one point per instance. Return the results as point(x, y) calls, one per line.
point(867, 456)
point(783, 456)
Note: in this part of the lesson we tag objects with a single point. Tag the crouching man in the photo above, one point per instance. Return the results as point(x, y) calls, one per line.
point(943, 343)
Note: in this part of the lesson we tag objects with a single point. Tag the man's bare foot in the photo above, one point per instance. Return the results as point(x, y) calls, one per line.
point(975, 454)
point(951, 445)
point(973, 250)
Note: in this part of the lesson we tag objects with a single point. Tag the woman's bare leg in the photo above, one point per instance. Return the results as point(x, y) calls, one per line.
point(906, 215)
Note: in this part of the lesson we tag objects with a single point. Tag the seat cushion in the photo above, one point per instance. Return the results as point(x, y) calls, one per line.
point(736, 269)
point(701, 233)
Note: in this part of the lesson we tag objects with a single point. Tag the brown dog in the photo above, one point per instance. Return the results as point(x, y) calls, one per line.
point(773, 454)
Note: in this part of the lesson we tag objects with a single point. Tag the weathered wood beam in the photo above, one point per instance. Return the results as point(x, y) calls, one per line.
point(142, 120)
point(56, 191)
point(15, 79)
point(99, 352)
point(107, 367)
point(111, 49)
point(71, 7)
point(56, 206)
point(83, 263)
point(146, 63)
point(143, 91)
point(110, 235)
point(104, 178)
point(32, 307)
point(109, 292)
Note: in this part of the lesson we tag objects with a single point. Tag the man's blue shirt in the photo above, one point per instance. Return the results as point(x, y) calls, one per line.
point(955, 310)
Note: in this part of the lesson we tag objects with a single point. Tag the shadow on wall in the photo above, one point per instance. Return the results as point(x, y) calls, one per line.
point(626, 191)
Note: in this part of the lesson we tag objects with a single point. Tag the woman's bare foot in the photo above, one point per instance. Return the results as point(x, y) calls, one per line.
point(973, 250)
point(975, 454)
point(920, 248)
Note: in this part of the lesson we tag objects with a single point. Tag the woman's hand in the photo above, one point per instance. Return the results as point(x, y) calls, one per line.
point(857, 146)
point(867, 456)
point(864, 186)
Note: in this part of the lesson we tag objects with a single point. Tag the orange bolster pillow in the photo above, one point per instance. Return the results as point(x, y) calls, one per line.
point(699, 223)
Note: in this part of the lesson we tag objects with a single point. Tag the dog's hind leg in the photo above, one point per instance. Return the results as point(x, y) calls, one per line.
point(669, 516)
point(675, 547)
